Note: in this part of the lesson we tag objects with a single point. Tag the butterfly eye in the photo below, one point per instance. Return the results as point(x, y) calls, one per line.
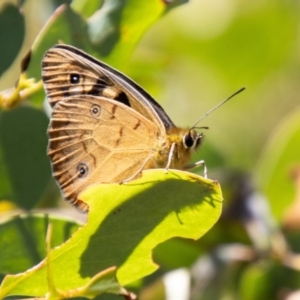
point(74, 78)
point(95, 110)
point(188, 141)
point(192, 140)
point(82, 170)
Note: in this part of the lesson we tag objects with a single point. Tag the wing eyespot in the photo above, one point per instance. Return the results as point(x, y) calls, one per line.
point(82, 170)
point(95, 111)
point(74, 78)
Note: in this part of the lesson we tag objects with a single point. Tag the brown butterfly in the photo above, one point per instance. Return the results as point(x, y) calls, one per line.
point(104, 127)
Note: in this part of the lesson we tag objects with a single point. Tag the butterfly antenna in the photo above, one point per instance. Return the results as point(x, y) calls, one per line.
point(218, 105)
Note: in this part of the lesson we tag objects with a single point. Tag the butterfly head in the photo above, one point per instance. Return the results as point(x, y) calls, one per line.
point(192, 140)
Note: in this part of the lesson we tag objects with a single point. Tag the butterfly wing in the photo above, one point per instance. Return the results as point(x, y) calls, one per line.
point(68, 71)
point(94, 139)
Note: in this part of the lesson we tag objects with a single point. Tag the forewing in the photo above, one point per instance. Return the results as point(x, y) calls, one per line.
point(68, 71)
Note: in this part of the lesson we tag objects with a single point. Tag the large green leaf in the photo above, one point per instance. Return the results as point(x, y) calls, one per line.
point(125, 223)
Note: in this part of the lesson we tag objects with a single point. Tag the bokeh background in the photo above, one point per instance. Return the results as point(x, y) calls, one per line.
point(190, 59)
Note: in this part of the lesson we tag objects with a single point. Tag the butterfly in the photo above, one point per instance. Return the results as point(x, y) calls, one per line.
point(104, 127)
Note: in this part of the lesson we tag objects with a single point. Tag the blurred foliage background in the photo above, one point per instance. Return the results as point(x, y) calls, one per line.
point(190, 59)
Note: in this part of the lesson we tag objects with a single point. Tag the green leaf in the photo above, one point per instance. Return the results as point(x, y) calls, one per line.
point(25, 165)
point(23, 239)
point(116, 28)
point(12, 32)
point(86, 7)
point(125, 223)
point(277, 162)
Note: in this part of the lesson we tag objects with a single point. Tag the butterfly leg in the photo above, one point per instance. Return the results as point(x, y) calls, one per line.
point(196, 165)
point(170, 157)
